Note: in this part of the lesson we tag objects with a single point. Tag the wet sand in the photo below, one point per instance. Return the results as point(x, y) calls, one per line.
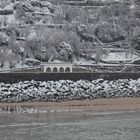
point(117, 104)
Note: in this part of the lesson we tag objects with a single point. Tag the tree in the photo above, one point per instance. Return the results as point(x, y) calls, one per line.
point(70, 12)
point(110, 33)
point(2, 59)
point(4, 39)
point(4, 3)
point(55, 38)
point(135, 42)
point(23, 10)
point(114, 11)
point(66, 51)
point(8, 56)
point(55, 42)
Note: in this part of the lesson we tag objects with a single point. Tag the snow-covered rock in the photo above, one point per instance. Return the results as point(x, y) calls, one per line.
point(68, 90)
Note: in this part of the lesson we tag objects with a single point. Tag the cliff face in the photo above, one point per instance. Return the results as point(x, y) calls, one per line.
point(38, 28)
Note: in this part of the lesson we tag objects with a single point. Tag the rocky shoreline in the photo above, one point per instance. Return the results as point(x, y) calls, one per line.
point(67, 90)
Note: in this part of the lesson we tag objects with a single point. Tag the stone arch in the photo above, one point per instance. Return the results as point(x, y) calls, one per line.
point(55, 69)
point(48, 69)
point(67, 69)
point(61, 69)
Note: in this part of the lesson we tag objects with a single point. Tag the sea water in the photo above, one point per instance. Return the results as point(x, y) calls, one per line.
point(70, 126)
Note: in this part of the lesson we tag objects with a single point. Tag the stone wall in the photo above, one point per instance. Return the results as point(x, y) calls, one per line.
point(17, 77)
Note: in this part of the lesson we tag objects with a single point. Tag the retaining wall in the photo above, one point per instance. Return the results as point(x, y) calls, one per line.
point(17, 77)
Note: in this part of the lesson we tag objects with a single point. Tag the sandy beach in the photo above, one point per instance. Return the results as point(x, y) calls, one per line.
point(117, 104)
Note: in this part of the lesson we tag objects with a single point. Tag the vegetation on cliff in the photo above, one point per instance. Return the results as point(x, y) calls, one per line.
point(50, 30)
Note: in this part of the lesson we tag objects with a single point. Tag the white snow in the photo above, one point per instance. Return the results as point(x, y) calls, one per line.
point(82, 89)
point(132, 6)
point(83, 61)
point(9, 7)
point(119, 56)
